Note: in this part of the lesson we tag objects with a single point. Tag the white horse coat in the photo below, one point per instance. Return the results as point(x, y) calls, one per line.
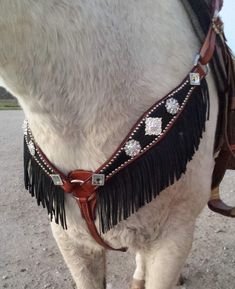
point(83, 72)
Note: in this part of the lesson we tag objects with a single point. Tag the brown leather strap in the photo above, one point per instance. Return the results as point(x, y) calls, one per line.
point(233, 103)
point(83, 191)
point(221, 164)
point(208, 47)
point(217, 5)
point(87, 209)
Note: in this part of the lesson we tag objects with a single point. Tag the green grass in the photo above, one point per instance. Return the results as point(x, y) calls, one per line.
point(9, 105)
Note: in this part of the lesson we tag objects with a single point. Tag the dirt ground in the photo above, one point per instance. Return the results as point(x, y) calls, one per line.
point(29, 257)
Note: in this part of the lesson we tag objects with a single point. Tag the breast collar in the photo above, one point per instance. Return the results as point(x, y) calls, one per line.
point(151, 157)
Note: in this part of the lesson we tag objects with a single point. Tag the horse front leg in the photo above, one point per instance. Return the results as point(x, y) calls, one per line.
point(165, 259)
point(86, 263)
point(138, 281)
point(139, 275)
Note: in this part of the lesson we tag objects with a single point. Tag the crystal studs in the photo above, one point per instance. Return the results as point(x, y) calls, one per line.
point(194, 78)
point(172, 106)
point(132, 148)
point(56, 179)
point(153, 126)
point(25, 127)
point(32, 149)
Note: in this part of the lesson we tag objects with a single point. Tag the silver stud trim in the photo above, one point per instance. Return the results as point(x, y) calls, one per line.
point(31, 147)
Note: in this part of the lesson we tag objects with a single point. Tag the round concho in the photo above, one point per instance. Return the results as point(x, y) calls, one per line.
point(172, 106)
point(132, 148)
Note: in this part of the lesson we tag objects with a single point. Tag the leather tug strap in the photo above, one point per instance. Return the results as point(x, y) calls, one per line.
point(80, 186)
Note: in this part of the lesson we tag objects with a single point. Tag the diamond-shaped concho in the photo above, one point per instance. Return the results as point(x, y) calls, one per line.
point(132, 148)
point(153, 126)
point(172, 106)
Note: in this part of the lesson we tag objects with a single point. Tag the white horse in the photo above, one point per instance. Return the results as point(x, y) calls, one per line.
point(83, 72)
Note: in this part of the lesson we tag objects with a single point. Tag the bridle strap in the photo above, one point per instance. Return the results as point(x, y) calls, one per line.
point(216, 27)
point(208, 47)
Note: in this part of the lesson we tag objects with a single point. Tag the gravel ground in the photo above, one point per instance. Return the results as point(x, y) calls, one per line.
point(29, 258)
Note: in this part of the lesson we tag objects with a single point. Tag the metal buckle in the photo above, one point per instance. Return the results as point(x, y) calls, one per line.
point(196, 59)
point(194, 77)
point(77, 182)
point(196, 62)
point(217, 23)
point(98, 179)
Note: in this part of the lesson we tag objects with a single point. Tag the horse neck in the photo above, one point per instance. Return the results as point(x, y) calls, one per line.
point(84, 72)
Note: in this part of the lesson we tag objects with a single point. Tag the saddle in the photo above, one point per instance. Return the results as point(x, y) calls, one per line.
point(222, 65)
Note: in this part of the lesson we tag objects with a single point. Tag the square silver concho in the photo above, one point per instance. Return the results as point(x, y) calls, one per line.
point(194, 78)
point(98, 179)
point(56, 179)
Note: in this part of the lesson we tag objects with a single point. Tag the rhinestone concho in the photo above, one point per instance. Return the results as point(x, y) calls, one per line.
point(172, 106)
point(153, 126)
point(132, 148)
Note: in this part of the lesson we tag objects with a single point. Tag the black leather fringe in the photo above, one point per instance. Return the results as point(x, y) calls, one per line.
point(158, 168)
point(41, 186)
